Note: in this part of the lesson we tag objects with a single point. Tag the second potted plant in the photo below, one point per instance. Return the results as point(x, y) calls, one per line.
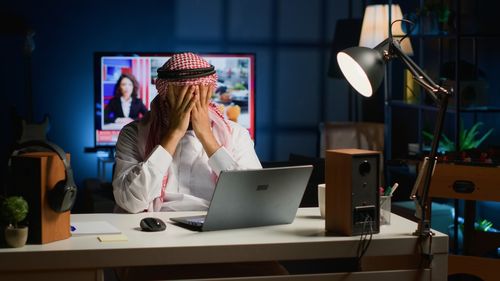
point(14, 210)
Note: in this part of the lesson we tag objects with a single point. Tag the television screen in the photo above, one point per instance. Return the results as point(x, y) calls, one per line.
point(235, 92)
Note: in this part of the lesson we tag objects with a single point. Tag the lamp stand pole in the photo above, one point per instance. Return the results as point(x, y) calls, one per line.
point(440, 95)
point(423, 204)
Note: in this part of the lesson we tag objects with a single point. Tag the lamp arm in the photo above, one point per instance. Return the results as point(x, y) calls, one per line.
point(433, 89)
point(440, 95)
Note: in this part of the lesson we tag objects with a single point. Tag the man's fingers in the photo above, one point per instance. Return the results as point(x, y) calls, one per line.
point(206, 94)
point(180, 95)
point(192, 105)
point(196, 98)
point(210, 90)
point(189, 97)
point(170, 96)
point(185, 98)
point(199, 92)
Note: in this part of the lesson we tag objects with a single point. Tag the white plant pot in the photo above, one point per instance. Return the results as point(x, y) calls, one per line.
point(16, 237)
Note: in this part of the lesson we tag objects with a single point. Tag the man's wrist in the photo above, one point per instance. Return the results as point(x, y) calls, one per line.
point(170, 140)
point(210, 144)
point(176, 133)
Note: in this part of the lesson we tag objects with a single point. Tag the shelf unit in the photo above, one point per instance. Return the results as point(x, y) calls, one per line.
point(432, 52)
point(406, 121)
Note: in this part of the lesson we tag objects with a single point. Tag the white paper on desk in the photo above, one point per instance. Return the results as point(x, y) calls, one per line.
point(93, 227)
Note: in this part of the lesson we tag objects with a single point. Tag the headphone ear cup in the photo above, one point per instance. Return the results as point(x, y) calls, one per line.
point(62, 196)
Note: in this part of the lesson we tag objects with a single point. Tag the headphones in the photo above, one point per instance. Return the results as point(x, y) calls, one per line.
point(62, 196)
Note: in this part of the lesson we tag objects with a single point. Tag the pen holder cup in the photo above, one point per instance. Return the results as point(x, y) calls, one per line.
point(321, 199)
point(385, 210)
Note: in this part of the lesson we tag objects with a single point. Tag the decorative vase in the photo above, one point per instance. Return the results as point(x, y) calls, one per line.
point(16, 237)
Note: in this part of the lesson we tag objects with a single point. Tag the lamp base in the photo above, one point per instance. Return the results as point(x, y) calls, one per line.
point(424, 229)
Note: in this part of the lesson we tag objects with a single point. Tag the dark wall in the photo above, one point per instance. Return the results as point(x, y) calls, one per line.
point(291, 39)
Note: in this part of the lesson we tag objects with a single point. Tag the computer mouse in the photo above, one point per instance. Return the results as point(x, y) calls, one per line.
point(152, 224)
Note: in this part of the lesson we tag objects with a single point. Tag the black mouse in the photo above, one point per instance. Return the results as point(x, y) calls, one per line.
point(152, 224)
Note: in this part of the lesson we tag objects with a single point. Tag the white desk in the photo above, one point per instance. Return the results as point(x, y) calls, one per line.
point(83, 257)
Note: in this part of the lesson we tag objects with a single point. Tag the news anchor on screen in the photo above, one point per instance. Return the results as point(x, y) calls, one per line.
point(125, 105)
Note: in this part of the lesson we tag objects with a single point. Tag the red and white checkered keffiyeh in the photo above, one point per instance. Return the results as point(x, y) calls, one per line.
point(160, 121)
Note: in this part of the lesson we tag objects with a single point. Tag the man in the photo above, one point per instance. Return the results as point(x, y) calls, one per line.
point(170, 159)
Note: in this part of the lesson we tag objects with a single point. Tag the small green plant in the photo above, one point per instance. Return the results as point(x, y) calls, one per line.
point(480, 225)
point(468, 138)
point(483, 225)
point(14, 210)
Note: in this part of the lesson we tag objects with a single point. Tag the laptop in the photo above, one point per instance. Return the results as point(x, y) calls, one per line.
point(250, 198)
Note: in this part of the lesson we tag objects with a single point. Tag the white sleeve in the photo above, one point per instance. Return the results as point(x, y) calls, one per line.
point(241, 155)
point(136, 181)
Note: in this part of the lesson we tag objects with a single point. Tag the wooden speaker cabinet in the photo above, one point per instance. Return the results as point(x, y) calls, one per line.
point(352, 184)
point(33, 174)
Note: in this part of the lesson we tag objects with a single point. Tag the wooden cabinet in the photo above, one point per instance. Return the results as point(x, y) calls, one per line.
point(472, 184)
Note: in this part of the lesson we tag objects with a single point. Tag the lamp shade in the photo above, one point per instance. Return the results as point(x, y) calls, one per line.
point(363, 68)
point(375, 27)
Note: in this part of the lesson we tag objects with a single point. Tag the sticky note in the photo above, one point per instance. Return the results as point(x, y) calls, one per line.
point(112, 238)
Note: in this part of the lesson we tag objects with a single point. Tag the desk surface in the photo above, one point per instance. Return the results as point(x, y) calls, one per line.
point(305, 238)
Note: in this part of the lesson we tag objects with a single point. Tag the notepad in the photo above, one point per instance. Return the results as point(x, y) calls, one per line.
point(113, 238)
point(93, 228)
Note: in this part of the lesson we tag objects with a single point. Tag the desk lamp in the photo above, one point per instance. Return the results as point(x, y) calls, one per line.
point(364, 69)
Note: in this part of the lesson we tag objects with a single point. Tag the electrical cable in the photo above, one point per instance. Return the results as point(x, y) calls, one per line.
point(364, 241)
point(406, 34)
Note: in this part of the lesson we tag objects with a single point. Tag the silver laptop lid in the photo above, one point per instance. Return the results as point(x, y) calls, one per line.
point(248, 198)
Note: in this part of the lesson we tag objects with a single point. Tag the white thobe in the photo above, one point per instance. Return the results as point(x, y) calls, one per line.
point(192, 174)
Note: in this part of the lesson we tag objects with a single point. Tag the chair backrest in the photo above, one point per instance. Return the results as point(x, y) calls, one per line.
point(361, 135)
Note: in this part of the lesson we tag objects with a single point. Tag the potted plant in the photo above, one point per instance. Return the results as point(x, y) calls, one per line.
point(14, 210)
point(469, 138)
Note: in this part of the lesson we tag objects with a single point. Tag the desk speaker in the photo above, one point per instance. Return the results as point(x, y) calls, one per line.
point(352, 199)
point(33, 175)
